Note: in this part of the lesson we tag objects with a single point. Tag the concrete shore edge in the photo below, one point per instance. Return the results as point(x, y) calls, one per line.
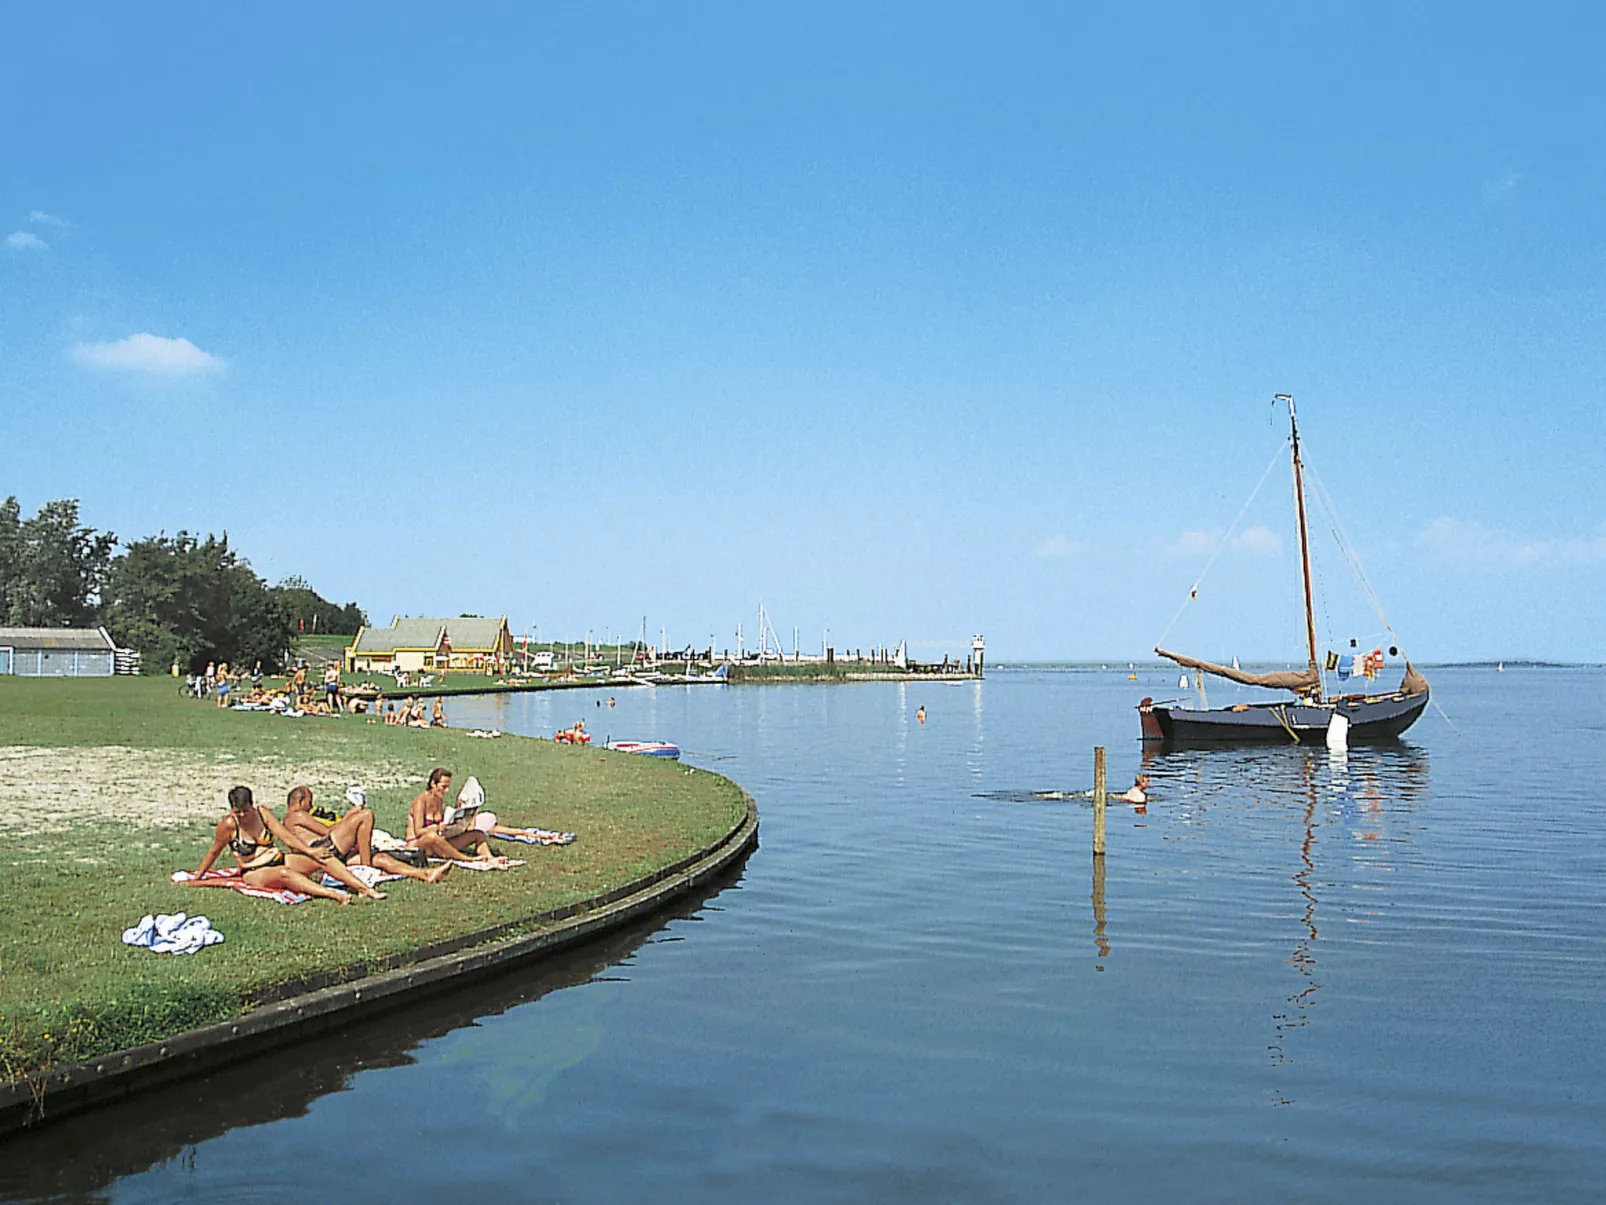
point(315, 1007)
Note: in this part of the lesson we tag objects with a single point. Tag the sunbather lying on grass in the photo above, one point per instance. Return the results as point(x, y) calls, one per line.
point(250, 832)
point(350, 838)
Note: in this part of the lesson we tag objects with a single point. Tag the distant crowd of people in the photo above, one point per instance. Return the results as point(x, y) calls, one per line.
point(300, 696)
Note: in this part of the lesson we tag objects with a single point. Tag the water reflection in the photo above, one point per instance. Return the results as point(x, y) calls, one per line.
point(79, 1157)
point(1303, 959)
point(1361, 789)
point(1100, 939)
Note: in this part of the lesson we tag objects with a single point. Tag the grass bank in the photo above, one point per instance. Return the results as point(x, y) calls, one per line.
point(108, 785)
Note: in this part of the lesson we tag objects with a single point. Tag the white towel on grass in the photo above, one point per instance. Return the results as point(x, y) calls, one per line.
point(172, 934)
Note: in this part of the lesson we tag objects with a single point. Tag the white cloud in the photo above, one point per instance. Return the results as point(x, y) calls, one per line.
point(1255, 541)
point(1194, 543)
point(24, 241)
point(149, 353)
point(40, 218)
point(1061, 545)
point(1502, 185)
point(1469, 540)
point(1258, 541)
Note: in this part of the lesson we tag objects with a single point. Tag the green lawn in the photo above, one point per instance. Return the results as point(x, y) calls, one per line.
point(89, 764)
point(322, 640)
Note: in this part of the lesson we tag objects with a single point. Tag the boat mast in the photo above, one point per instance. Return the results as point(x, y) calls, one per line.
point(1304, 540)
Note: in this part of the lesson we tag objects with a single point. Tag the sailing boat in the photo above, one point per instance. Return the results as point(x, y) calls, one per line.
point(1311, 712)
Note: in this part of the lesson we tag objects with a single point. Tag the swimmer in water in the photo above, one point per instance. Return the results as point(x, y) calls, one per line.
point(921, 714)
point(1139, 792)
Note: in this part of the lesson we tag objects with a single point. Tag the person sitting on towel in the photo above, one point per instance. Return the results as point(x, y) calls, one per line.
point(426, 831)
point(250, 831)
point(350, 838)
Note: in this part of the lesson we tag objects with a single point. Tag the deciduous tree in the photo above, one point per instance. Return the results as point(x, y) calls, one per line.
point(53, 568)
point(180, 598)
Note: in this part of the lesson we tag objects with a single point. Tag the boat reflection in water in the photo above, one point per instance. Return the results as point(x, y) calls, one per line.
point(82, 1155)
point(1358, 804)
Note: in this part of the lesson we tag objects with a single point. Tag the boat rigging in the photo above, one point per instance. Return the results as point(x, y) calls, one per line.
point(1312, 714)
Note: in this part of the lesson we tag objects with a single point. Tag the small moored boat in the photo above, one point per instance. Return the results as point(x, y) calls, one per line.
point(1312, 711)
point(647, 748)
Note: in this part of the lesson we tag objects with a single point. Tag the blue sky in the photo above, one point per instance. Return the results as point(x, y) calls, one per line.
point(910, 321)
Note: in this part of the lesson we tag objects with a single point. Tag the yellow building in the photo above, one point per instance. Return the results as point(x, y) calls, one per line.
point(468, 642)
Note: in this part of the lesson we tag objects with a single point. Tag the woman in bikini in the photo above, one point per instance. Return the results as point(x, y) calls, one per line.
point(349, 839)
point(249, 831)
point(426, 831)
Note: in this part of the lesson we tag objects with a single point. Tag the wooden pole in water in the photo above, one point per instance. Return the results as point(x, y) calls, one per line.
point(1098, 801)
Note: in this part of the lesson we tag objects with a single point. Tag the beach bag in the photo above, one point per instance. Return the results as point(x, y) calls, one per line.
point(412, 857)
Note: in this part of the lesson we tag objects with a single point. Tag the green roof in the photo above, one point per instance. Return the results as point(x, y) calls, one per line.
point(56, 638)
point(401, 634)
point(473, 633)
point(466, 634)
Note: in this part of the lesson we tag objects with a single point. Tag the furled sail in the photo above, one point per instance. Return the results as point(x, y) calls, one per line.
point(1299, 681)
point(1413, 683)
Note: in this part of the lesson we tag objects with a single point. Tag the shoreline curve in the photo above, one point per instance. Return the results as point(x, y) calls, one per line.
point(314, 1006)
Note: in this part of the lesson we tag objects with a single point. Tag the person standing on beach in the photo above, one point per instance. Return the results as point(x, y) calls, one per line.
point(331, 687)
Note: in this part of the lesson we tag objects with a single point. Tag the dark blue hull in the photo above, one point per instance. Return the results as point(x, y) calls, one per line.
point(1372, 718)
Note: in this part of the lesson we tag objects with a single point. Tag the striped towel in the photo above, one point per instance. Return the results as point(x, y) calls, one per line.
point(536, 836)
point(232, 878)
point(476, 864)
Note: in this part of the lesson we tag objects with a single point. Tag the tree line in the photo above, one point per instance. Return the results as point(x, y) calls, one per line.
point(177, 598)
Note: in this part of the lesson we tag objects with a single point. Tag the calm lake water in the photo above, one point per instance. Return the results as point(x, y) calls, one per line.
point(1368, 977)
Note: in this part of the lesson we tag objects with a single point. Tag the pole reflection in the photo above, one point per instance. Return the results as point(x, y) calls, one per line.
point(1100, 939)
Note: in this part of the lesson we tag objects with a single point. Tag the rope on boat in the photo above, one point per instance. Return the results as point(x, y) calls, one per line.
point(1193, 591)
point(1351, 557)
point(1283, 720)
point(1446, 718)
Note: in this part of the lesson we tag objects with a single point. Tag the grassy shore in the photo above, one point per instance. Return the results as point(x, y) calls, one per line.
point(109, 785)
